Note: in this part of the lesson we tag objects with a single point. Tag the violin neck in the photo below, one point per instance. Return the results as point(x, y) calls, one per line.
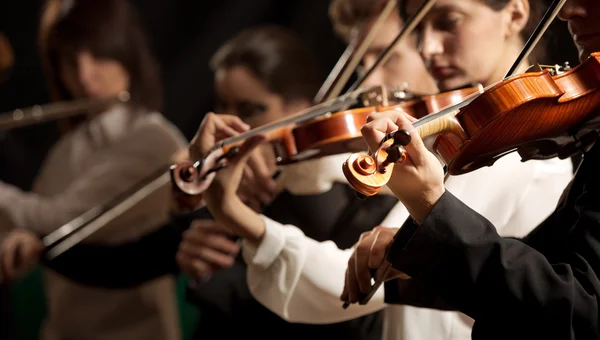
point(442, 125)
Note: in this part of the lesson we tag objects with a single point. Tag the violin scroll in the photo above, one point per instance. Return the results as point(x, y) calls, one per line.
point(194, 178)
point(368, 174)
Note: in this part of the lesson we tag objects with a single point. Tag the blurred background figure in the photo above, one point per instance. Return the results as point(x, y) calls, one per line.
point(97, 50)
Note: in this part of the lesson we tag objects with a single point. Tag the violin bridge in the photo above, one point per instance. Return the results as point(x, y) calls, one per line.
point(375, 96)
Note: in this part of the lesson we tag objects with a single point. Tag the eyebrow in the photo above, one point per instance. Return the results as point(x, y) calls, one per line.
point(436, 9)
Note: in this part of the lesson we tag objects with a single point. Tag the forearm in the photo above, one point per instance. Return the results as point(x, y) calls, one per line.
point(239, 218)
point(300, 279)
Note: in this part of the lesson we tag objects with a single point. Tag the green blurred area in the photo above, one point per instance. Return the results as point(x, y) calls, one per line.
point(29, 306)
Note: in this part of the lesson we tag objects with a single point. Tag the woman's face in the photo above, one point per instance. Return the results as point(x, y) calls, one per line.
point(240, 93)
point(86, 76)
point(465, 42)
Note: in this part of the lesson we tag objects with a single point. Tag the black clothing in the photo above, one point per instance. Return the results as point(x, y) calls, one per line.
point(120, 266)
point(6, 315)
point(542, 287)
point(228, 309)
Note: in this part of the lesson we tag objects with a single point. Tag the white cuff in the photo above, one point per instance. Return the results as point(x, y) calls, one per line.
point(270, 247)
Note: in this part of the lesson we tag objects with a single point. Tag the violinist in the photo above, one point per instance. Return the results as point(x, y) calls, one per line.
point(543, 286)
point(313, 272)
point(97, 50)
point(263, 74)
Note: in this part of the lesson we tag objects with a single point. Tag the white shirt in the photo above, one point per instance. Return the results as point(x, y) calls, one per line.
point(301, 279)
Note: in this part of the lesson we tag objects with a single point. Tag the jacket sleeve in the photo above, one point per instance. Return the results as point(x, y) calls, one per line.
point(116, 169)
point(506, 285)
point(300, 279)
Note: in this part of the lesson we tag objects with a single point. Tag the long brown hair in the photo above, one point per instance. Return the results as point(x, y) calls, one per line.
point(109, 29)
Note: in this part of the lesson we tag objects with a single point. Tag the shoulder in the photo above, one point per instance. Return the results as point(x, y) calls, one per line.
point(154, 126)
point(151, 136)
point(497, 191)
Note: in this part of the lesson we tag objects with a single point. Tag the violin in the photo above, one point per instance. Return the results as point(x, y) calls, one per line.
point(326, 135)
point(537, 114)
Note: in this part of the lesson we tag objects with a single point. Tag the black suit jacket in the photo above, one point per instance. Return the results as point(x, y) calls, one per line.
point(544, 286)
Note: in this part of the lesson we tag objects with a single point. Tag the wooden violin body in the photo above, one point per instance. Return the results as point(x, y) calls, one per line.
point(539, 115)
point(340, 132)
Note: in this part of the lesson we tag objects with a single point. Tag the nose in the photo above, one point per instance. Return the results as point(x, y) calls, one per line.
point(86, 69)
point(430, 44)
point(573, 9)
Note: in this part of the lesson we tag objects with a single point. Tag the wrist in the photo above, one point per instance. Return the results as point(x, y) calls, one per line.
point(421, 208)
point(240, 218)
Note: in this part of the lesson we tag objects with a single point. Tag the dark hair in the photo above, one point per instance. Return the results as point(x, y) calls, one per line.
point(347, 14)
point(109, 29)
point(277, 57)
point(535, 15)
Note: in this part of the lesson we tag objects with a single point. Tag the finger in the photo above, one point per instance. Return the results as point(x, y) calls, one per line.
point(374, 131)
point(222, 130)
point(416, 149)
point(209, 226)
point(215, 241)
point(235, 122)
point(391, 114)
point(362, 270)
point(211, 256)
point(246, 149)
point(353, 289)
point(229, 124)
point(185, 264)
point(344, 296)
point(8, 259)
point(378, 249)
point(201, 268)
point(262, 172)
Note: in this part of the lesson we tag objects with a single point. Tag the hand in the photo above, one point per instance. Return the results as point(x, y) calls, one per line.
point(20, 250)
point(206, 247)
point(212, 129)
point(369, 255)
point(225, 185)
point(419, 181)
point(224, 203)
point(257, 187)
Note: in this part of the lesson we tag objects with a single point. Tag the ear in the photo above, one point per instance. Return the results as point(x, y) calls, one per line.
point(517, 15)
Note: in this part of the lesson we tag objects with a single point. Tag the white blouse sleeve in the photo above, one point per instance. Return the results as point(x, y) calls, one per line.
point(300, 279)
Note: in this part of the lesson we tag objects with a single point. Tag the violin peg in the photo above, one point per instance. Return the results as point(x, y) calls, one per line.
point(401, 137)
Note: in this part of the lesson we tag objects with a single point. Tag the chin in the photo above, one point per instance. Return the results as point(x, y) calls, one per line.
point(451, 84)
